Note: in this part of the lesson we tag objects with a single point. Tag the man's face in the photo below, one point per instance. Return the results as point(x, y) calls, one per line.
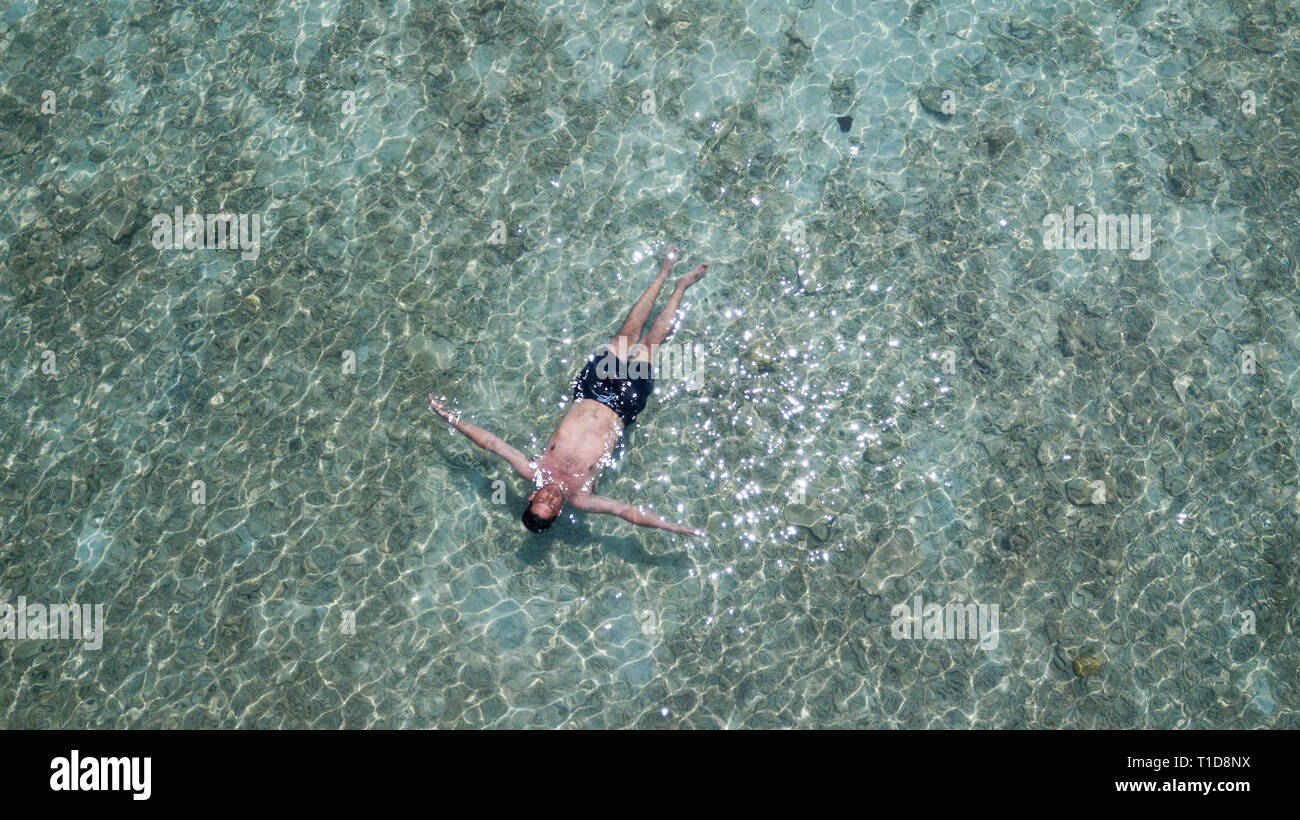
point(546, 502)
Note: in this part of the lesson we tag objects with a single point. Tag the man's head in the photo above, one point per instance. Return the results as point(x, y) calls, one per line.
point(543, 507)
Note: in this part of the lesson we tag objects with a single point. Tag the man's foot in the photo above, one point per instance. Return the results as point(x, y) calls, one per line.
point(669, 259)
point(692, 277)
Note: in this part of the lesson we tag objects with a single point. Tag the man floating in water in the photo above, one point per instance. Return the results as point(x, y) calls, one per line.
point(606, 401)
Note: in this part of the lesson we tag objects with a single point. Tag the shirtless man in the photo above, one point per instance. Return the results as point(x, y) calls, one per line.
point(605, 402)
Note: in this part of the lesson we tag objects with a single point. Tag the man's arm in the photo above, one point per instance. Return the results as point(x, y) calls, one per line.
point(488, 441)
point(591, 502)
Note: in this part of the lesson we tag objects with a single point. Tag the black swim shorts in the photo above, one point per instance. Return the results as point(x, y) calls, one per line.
point(621, 386)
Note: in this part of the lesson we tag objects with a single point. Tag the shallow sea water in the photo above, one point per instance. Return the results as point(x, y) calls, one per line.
point(903, 392)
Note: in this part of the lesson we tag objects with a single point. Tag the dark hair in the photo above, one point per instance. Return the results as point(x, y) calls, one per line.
point(535, 522)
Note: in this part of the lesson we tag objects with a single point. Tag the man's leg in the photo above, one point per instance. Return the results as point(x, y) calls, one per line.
point(664, 323)
point(636, 318)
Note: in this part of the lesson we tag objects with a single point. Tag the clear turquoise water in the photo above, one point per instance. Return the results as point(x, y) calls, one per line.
point(380, 141)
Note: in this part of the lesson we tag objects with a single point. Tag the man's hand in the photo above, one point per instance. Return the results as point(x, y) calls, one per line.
point(485, 439)
point(441, 409)
point(689, 531)
point(645, 519)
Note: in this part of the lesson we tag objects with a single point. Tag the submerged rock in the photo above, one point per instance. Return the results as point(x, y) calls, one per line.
point(843, 91)
point(1073, 336)
point(1084, 492)
point(1087, 665)
point(931, 99)
point(884, 448)
point(1181, 180)
point(810, 521)
point(1176, 478)
point(1017, 539)
point(896, 558)
point(1203, 147)
point(1057, 516)
point(998, 140)
point(118, 220)
point(762, 355)
point(1079, 492)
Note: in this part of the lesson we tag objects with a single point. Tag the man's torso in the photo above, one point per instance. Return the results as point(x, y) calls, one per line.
point(580, 447)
